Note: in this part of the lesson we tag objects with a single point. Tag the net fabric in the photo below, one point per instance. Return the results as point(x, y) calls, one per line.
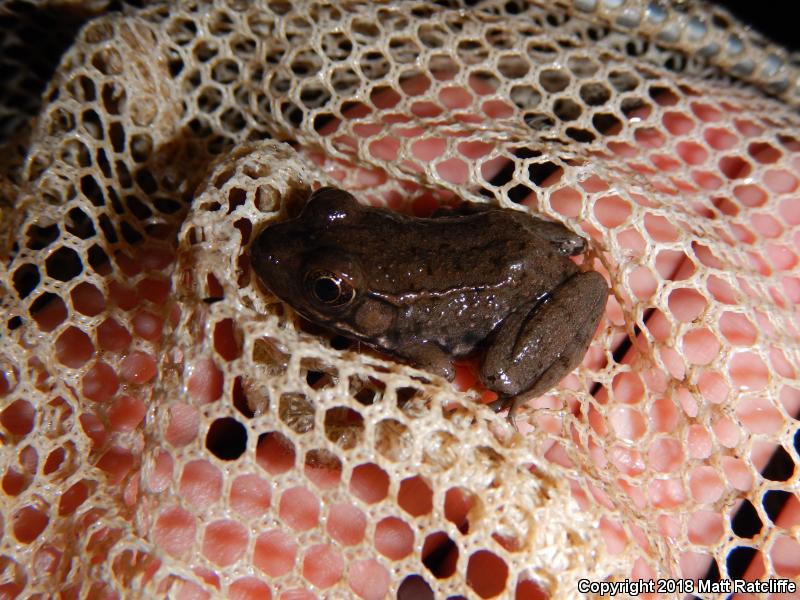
point(170, 428)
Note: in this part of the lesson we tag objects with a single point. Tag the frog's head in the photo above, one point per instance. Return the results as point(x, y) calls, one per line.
point(304, 260)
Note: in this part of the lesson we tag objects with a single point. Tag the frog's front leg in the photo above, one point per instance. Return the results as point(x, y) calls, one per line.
point(537, 345)
point(430, 357)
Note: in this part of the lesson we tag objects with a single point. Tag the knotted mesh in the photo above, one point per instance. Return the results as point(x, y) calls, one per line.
point(170, 429)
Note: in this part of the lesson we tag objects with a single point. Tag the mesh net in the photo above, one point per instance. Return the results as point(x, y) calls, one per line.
point(170, 429)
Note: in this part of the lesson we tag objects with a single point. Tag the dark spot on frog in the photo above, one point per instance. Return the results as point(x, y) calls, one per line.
point(475, 279)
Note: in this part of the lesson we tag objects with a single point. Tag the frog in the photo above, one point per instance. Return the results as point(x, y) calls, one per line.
point(476, 280)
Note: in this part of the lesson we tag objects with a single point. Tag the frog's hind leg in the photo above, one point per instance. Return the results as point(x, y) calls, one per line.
point(535, 347)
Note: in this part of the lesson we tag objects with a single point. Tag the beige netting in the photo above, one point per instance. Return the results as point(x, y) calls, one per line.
point(170, 429)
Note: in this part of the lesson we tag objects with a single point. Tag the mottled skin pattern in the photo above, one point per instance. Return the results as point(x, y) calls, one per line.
point(476, 279)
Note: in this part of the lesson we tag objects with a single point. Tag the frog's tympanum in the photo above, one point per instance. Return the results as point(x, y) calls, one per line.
point(427, 290)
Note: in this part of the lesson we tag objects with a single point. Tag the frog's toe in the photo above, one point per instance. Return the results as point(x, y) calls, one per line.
point(501, 404)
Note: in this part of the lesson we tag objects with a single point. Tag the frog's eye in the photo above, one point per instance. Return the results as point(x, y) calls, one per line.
point(330, 288)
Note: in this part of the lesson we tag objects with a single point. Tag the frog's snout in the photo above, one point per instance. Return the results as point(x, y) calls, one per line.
point(273, 260)
point(262, 250)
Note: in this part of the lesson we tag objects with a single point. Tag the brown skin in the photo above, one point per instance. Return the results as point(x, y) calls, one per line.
point(429, 290)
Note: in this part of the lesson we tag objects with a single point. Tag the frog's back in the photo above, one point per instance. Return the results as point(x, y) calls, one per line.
point(495, 249)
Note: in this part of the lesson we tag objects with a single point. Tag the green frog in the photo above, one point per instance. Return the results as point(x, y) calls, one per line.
point(475, 279)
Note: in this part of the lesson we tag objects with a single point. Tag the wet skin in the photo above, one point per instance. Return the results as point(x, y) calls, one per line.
point(428, 290)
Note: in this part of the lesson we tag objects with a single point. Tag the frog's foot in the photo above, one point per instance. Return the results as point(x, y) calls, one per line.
point(535, 347)
point(430, 357)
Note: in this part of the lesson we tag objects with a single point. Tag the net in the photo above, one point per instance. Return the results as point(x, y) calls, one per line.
point(170, 429)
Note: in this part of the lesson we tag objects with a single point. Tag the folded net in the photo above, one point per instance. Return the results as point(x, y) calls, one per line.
point(170, 429)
